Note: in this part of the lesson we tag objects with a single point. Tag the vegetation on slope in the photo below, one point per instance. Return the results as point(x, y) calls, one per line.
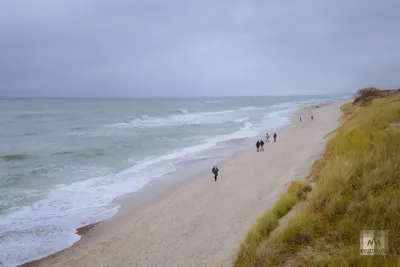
point(269, 221)
point(357, 188)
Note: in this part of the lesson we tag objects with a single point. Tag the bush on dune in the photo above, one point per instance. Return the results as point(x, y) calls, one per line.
point(365, 95)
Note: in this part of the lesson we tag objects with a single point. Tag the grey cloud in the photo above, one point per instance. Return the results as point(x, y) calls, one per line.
point(168, 48)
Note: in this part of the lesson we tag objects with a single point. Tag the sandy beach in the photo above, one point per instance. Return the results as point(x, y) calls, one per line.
point(201, 222)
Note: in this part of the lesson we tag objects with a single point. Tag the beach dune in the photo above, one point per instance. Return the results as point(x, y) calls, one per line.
point(201, 222)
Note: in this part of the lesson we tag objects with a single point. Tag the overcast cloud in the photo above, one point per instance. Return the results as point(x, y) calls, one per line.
point(54, 48)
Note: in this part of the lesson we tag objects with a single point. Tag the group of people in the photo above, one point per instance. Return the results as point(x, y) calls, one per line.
point(260, 143)
point(260, 148)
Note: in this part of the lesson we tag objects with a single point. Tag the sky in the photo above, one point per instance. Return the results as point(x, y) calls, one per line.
point(135, 48)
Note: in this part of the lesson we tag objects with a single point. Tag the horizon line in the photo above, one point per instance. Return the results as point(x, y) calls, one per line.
point(166, 97)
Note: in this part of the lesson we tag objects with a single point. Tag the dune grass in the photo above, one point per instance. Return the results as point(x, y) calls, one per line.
point(295, 193)
point(357, 188)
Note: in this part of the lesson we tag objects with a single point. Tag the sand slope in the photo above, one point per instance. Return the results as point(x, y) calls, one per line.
point(202, 222)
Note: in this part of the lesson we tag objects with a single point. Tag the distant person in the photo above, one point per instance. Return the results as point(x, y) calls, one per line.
point(300, 119)
point(258, 145)
point(275, 137)
point(215, 171)
point(261, 145)
point(267, 137)
point(312, 117)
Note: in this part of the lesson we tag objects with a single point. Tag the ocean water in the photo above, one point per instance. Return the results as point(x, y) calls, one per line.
point(64, 161)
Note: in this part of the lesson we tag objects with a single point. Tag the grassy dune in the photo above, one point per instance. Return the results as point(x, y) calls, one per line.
point(357, 188)
point(269, 221)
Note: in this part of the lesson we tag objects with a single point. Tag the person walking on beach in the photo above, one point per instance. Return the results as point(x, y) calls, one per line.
point(300, 119)
point(261, 145)
point(267, 137)
point(275, 137)
point(215, 171)
point(258, 145)
point(312, 117)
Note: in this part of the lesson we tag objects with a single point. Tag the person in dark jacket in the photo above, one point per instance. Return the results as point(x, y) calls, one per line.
point(215, 171)
point(261, 145)
point(258, 145)
point(275, 137)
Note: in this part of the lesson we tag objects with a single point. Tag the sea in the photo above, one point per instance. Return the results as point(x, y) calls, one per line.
point(63, 162)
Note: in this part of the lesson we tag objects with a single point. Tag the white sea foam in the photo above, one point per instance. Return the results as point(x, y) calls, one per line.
point(252, 108)
point(182, 118)
point(241, 119)
point(182, 111)
point(214, 102)
point(49, 225)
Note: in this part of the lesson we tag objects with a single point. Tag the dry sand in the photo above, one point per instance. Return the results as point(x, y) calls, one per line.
point(201, 222)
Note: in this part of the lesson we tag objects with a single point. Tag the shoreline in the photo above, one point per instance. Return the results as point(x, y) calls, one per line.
point(157, 189)
point(96, 231)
